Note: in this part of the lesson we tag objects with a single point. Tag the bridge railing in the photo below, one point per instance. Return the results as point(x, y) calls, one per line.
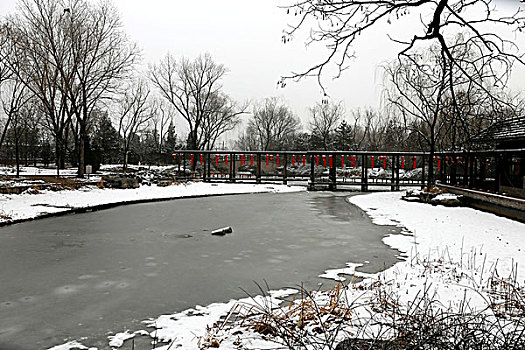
point(318, 169)
point(328, 169)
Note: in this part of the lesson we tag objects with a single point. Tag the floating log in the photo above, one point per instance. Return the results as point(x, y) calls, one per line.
point(222, 231)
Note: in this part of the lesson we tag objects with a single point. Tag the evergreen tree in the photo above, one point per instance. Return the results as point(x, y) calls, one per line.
point(344, 137)
point(107, 140)
point(171, 143)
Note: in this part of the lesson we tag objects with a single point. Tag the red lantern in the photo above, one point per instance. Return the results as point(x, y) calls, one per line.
point(330, 161)
point(402, 162)
point(226, 159)
point(277, 160)
point(372, 161)
point(304, 160)
point(202, 159)
point(251, 159)
point(267, 160)
point(217, 159)
point(293, 160)
point(342, 161)
point(384, 162)
point(414, 161)
point(192, 159)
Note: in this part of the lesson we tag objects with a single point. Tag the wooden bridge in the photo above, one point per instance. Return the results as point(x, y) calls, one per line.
point(341, 169)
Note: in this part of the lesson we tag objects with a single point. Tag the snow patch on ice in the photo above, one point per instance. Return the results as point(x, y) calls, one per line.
point(72, 345)
point(350, 270)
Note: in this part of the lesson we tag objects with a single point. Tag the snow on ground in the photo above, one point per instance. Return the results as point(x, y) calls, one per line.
point(450, 257)
point(38, 171)
point(26, 205)
point(464, 235)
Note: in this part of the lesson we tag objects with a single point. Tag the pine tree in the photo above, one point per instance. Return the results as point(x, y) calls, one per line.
point(344, 137)
point(171, 143)
point(106, 139)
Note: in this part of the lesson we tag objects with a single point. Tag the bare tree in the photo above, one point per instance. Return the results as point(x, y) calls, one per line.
point(102, 56)
point(35, 62)
point(338, 24)
point(162, 116)
point(325, 118)
point(247, 141)
point(194, 90)
point(272, 123)
point(5, 52)
point(71, 54)
point(21, 121)
point(417, 90)
point(223, 115)
point(13, 97)
point(133, 113)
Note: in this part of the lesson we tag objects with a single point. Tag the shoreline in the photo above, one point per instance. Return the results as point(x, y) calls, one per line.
point(109, 198)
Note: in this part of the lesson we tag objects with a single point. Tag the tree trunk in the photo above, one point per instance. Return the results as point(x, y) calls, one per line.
point(82, 137)
point(57, 156)
point(82, 151)
point(430, 176)
point(126, 151)
point(17, 156)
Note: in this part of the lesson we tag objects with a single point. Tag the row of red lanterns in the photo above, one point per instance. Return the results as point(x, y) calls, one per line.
point(352, 160)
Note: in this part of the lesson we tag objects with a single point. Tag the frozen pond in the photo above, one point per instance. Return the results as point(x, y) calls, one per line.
point(87, 274)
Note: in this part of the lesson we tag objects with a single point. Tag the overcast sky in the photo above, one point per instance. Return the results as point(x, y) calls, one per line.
point(245, 36)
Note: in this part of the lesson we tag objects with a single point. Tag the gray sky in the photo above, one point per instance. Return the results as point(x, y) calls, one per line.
point(245, 37)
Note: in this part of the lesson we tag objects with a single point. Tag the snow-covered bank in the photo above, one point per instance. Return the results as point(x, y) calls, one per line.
point(25, 206)
point(450, 255)
point(463, 235)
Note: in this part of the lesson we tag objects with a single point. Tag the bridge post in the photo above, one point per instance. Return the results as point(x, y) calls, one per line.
point(393, 177)
point(208, 164)
point(184, 165)
point(258, 169)
point(423, 166)
point(453, 170)
point(204, 163)
point(178, 164)
point(311, 185)
point(499, 170)
point(332, 177)
point(443, 174)
point(471, 165)
point(232, 168)
point(465, 169)
point(397, 173)
point(285, 173)
point(364, 173)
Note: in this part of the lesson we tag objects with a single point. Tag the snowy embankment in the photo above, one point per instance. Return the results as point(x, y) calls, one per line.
point(26, 206)
point(465, 236)
point(453, 260)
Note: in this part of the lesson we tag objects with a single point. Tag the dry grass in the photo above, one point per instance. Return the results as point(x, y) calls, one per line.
point(379, 319)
